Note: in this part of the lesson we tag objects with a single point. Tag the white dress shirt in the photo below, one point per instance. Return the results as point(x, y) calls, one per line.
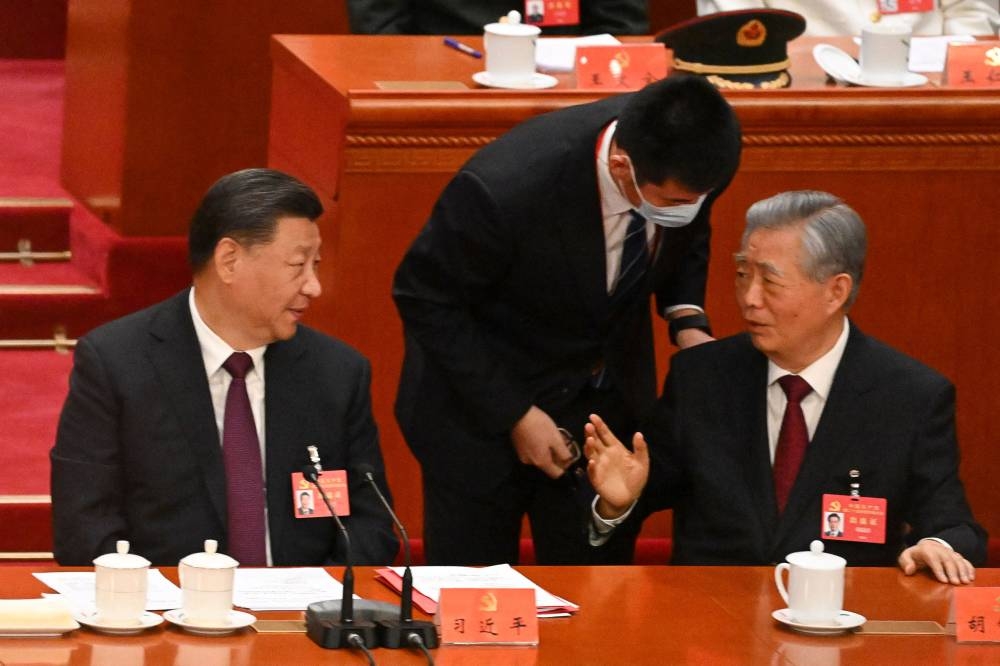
point(214, 352)
point(819, 375)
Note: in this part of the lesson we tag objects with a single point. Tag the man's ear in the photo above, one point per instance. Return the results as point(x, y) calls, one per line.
point(226, 258)
point(838, 291)
point(618, 165)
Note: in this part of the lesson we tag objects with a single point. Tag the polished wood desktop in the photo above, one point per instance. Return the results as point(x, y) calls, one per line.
point(380, 124)
point(628, 615)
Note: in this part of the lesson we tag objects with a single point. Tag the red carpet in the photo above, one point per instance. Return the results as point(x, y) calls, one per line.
point(30, 127)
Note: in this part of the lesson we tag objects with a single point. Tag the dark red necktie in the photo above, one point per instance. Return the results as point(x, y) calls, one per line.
point(793, 438)
point(244, 472)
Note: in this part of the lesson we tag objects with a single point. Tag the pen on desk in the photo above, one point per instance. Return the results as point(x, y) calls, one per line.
point(464, 48)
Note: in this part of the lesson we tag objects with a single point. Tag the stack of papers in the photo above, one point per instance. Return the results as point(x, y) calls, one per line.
point(256, 589)
point(77, 588)
point(928, 54)
point(284, 589)
point(428, 581)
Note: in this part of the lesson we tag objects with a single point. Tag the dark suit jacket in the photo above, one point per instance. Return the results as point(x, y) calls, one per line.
point(503, 297)
point(887, 416)
point(138, 457)
point(467, 17)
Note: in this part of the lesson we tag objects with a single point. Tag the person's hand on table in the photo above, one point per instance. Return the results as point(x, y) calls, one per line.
point(947, 565)
point(617, 474)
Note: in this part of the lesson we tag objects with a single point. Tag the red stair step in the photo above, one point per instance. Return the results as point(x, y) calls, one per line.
point(44, 221)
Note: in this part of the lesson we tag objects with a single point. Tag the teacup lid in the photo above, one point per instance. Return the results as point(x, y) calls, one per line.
point(512, 26)
point(210, 559)
point(121, 559)
point(815, 558)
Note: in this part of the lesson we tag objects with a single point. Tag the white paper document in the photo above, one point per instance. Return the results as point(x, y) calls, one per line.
point(284, 589)
point(428, 582)
point(77, 588)
point(928, 54)
point(558, 54)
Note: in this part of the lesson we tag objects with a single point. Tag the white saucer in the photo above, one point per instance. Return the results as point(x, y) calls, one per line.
point(835, 62)
point(909, 80)
point(237, 620)
point(843, 622)
point(538, 81)
point(843, 68)
point(93, 621)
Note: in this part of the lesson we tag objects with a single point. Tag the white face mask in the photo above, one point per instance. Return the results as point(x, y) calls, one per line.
point(670, 217)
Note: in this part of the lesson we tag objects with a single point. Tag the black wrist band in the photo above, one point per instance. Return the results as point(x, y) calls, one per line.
point(699, 321)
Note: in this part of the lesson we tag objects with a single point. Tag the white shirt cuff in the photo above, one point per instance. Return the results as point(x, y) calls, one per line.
point(674, 308)
point(940, 541)
point(601, 528)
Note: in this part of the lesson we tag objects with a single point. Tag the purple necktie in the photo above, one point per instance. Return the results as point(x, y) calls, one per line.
point(793, 438)
point(244, 472)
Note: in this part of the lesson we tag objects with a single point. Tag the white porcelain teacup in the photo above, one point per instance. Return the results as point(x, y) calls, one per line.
point(207, 586)
point(885, 52)
point(510, 52)
point(815, 592)
point(120, 587)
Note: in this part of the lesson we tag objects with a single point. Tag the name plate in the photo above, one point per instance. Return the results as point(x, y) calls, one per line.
point(977, 614)
point(973, 65)
point(620, 67)
point(491, 616)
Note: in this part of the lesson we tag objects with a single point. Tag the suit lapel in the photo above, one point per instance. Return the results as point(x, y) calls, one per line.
point(581, 228)
point(286, 421)
point(750, 411)
point(176, 356)
point(839, 428)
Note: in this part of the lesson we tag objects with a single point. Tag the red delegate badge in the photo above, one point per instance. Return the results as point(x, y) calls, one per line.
point(847, 518)
point(552, 12)
point(306, 500)
point(903, 6)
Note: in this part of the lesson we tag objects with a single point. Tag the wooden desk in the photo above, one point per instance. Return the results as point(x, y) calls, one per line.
point(629, 615)
point(920, 166)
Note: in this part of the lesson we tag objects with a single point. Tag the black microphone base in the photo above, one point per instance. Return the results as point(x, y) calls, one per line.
point(396, 633)
point(335, 634)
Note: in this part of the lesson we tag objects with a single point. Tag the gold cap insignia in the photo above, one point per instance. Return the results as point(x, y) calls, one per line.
point(751, 34)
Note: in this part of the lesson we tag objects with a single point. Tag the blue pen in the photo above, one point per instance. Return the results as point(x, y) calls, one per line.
point(464, 48)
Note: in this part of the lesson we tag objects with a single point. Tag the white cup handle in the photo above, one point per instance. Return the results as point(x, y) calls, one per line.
point(779, 580)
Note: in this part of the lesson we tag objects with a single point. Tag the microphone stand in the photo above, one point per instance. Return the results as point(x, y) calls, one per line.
point(345, 631)
point(404, 632)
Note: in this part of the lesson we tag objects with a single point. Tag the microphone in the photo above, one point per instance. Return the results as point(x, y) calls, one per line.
point(343, 630)
point(405, 631)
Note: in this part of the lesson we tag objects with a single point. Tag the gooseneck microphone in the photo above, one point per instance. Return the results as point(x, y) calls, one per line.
point(405, 631)
point(344, 630)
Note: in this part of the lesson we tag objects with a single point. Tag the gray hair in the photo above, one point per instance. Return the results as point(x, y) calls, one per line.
point(833, 235)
